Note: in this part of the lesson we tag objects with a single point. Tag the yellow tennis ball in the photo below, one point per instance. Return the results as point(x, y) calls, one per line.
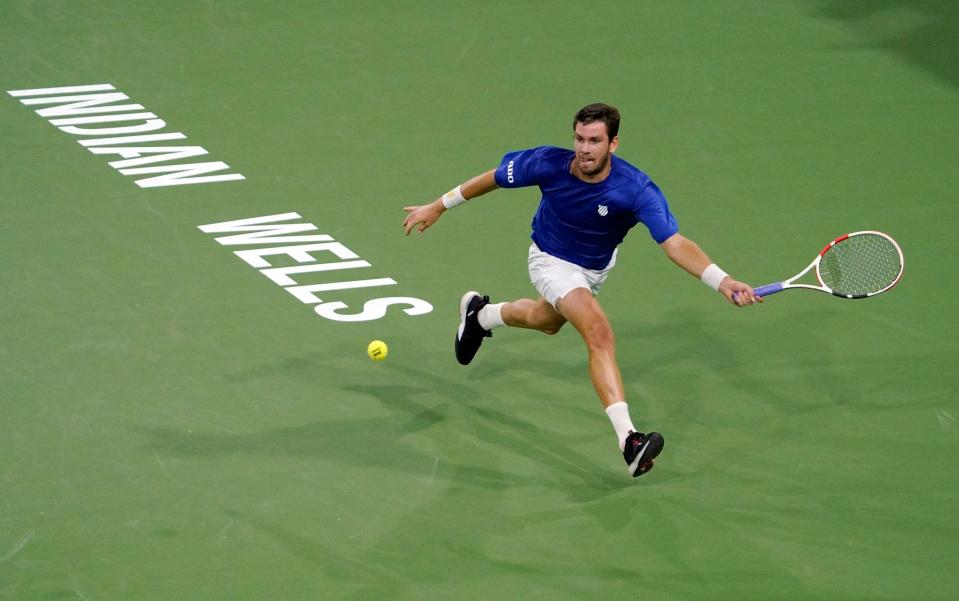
point(377, 350)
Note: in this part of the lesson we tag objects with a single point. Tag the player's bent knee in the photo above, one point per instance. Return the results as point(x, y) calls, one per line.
point(551, 328)
point(547, 320)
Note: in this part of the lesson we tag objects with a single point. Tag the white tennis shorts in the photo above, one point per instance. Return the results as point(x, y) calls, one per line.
point(554, 278)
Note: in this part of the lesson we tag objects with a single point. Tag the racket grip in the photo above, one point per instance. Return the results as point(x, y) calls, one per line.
point(768, 289)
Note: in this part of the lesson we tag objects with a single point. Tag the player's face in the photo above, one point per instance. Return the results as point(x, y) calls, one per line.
point(593, 149)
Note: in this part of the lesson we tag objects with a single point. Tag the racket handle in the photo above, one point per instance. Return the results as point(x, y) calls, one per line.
point(768, 289)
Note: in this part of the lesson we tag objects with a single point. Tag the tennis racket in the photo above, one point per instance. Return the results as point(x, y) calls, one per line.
point(857, 265)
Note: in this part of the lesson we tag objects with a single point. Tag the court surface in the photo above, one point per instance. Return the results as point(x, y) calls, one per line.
point(176, 426)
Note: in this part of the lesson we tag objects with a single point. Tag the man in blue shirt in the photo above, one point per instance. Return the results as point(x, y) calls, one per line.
point(591, 199)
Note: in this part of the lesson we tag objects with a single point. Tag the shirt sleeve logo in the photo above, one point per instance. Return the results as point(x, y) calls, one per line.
point(603, 210)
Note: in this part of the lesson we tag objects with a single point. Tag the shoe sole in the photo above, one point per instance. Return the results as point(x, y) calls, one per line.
point(651, 450)
point(464, 304)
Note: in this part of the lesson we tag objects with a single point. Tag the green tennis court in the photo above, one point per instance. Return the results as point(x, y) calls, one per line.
point(175, 425)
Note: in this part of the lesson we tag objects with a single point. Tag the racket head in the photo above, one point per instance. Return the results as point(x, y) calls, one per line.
point(860, 264)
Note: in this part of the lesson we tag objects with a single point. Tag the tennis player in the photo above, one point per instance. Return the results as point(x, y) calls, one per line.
point(591, 199)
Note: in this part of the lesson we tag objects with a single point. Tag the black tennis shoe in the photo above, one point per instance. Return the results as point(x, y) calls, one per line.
point(640, 451)
point(470, 334)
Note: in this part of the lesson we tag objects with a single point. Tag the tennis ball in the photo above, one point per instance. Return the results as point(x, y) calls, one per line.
point(377, 350)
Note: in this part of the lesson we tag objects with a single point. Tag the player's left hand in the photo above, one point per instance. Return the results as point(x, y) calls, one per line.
point(738, 293)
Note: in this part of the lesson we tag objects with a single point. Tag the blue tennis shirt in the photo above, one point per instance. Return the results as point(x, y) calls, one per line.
point(580, 222)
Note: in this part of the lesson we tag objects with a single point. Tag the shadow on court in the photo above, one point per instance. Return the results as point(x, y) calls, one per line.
point(477, 425)
point(921, 32)
point(436, 407)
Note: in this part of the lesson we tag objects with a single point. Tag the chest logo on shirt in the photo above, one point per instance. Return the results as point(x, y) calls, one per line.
point(603, 210)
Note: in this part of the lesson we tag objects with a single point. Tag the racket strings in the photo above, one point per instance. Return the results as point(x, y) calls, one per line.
point(860, 265)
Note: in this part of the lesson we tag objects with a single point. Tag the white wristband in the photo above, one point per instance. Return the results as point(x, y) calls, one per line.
point(713, 276)
point(453, 198)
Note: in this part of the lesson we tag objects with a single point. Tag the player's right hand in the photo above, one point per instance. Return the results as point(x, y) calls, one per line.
point(422, 215)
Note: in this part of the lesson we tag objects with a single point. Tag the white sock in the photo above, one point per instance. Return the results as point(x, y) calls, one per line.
point(491, 316)
point(618, 414)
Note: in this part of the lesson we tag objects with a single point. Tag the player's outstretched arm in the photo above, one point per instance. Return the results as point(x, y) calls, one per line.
point(426, 215)
point(688, 255)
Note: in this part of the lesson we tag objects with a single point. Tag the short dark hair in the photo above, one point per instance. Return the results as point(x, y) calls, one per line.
point(599, 112)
